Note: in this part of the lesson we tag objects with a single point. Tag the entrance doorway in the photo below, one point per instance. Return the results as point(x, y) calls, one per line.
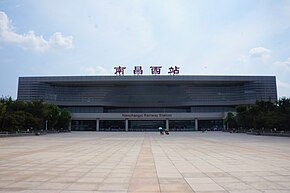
point(182, 125)
point(83, 125)
point(112, 125)
point(146, 125)
point(210, 125)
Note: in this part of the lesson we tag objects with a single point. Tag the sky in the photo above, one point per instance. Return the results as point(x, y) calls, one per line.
point(91, 37)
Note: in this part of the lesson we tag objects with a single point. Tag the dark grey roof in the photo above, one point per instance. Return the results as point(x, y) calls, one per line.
point(148, 79)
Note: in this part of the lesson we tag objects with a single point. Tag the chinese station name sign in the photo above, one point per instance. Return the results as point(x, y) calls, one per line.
point(155, 70)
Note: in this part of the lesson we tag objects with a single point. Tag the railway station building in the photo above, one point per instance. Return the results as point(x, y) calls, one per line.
point(143, 103)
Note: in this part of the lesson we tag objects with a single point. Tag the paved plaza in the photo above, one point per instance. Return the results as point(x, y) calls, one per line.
point(94, 162)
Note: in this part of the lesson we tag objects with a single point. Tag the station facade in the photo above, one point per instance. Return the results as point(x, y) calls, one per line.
point(143, 103)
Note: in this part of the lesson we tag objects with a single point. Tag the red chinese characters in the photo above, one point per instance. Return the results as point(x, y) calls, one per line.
point(174, 70)
point(155, 69)
point(138, 70)
point(119, 70)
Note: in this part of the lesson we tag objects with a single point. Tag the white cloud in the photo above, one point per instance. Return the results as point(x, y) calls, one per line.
point(95, 70)
point(30, 40)
point(58, 40)
point(284, 64)
point(283, 88)
point(259, 52)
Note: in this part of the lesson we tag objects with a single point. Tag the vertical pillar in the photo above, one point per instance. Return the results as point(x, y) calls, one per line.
point(126, 125)
point(224, 125)
point(196, 124)
point(98, 125)
point(69, 126)
point(167, 124)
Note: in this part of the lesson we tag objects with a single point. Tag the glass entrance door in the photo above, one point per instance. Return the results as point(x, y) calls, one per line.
point(146, 125)
point(112, 125)
point(83, 125)
point(182, 125)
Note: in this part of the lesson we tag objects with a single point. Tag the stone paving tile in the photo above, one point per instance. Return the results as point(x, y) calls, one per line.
point(175, 187)
point(83, 186)
point(90, 180)
point(143, 187)
point(248, 179)
point(211, 192)
point(284, 185)
point(39, 178)
point(171, 180)
point(52, 186)
point(203, 180)
point(65, 179)
point(217, 174)
point(22, 185)
point(248, 191)
point(190, 191)
point(277, 178)
point(193, 175)
point(124, 180)
point(144, 181)
point(266, 185)
point(236, 186)
point(206, 187)
point(92, 162)
point(113, 187)
point(81, 191)
point(230, 179)
point(5, 183)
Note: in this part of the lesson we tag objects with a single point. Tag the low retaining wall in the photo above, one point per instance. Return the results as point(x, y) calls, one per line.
point(6, 134)
point(278, 134)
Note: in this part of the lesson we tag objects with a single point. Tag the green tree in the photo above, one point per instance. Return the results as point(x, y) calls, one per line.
point(244, 118)
point(19, 115)
point(14, 121)
point(283, 111)
point(52, 114)
point(230, 120)
point(4, 107)
point(37, 110)
point(265, 115)
point(64, 120)
point(265, 111)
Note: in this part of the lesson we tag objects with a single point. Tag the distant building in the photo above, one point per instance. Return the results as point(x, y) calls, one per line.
point(143, 103)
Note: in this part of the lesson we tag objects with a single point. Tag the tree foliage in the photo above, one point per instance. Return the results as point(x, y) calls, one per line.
point(36, 115)
point(265, 115)
point(230, 121)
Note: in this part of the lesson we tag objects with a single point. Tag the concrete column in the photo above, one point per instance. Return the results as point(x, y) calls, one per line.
point(126, 125)
point(196, 124)
point(69, 126)
point(167, 124)
point(97, 124)
point(224, 125)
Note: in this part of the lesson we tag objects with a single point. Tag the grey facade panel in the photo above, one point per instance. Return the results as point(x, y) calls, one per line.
point(148, 91)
